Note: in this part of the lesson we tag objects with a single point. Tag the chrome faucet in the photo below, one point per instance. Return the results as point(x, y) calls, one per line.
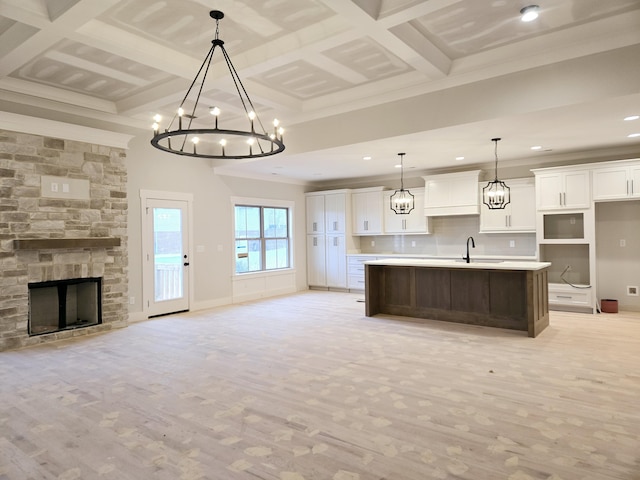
point(473, 244)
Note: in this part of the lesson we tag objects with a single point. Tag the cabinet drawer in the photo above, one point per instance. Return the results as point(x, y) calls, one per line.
point(570, 298)
point(355, 269)
point(356, 281)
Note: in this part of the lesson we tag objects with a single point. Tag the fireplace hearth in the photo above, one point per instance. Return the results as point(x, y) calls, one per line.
point(64, 305)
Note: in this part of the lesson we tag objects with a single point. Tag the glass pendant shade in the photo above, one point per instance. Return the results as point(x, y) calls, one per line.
point(496, 195)
point(402, 201)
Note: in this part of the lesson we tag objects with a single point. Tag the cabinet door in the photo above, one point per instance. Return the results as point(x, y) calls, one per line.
point(634, 181)
point(316, 261)
point(610, 183)
point(315, 214)
point(549, 191)
point(577, 193)
point(336, 261)
point(335, 212)
point(367, 213)
point(522, 214)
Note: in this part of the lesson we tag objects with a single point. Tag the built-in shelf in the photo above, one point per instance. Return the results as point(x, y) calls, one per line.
point(55, 243)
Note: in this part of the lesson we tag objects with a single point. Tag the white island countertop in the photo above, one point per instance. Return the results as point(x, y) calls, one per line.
point(478, 265)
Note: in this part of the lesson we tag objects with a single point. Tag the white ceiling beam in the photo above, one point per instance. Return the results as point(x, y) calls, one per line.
point(431, 67)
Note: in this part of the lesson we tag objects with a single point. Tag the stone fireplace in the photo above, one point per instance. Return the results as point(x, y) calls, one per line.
point(63, 218)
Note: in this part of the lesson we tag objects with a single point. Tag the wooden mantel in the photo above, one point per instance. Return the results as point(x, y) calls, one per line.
point(55, 243)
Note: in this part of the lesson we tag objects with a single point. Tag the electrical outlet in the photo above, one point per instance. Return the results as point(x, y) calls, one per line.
point(373, 243)
point(54, 187)
point(572, 220)
point(632, 291)
point(65, 188)
point(623, 242)
point(413, 243)
point(512, 243)
point(132, 300)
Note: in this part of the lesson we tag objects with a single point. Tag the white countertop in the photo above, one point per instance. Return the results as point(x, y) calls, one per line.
point(478, 257)
point(478, 265)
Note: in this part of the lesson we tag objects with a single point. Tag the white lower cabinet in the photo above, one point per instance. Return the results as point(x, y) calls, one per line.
point(355, 271)
point(561, 295)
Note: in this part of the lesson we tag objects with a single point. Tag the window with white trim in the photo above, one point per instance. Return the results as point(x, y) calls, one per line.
point(262, 238)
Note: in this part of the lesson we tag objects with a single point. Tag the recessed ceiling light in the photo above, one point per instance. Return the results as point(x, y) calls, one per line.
point(459, 158)
point(398, 166)
point(366, 157)
point(631, 117)
point(529, 13)
point(634, 135)
point(536, 147)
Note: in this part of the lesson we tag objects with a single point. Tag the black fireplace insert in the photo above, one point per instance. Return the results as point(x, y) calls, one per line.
point(64, 305)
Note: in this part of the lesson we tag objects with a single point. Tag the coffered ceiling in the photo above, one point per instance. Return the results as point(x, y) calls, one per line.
point(436, 79)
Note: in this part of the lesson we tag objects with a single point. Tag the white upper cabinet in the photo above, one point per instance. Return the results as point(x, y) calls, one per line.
point(367, 211)
point(315, 214)
point(335, 208)
point(413, 222)
point(618, 182)
point(518, 216)
point(562, 189)
point(452, 194)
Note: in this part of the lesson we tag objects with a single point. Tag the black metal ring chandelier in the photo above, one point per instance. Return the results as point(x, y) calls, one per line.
point(220, 143)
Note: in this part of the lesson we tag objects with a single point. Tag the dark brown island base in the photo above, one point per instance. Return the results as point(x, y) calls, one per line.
point(510, 295)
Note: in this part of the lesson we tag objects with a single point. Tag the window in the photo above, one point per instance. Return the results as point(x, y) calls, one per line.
point(262, 238)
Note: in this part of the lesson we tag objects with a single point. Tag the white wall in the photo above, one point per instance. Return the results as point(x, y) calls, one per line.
point(151, 169)
point(617, 266)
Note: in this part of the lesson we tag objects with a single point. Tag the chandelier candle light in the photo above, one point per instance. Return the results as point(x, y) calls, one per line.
point(496, 195)
point(402, 201)
point(220, 143)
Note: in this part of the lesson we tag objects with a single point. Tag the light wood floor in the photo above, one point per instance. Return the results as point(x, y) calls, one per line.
point(306, 387)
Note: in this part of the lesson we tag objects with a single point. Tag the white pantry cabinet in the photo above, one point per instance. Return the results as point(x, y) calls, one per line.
point(315, 214)
point(336, 261)
point(618, 181)
point(367, 211)
point(316, 261)
point(558, 189)
point(519, 216)
point(328, 238)
point(335, 208)
point(414, 222)
point(452, 194)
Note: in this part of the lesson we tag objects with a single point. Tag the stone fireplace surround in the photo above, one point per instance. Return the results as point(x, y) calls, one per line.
point(44, 239)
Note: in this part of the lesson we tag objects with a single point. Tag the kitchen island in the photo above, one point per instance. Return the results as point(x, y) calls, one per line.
point(510, 295)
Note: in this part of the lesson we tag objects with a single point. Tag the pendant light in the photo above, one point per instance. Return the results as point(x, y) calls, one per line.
point(402, 201)
point(496, 195)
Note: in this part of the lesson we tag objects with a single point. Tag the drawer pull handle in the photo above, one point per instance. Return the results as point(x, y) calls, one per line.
point(564, 296)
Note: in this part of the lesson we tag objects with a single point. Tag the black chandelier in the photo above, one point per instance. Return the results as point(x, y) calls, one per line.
point(402, 201)
point(496, 195)
point(254, 142)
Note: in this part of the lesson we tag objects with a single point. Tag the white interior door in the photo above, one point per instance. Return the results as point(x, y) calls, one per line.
point(166, 256)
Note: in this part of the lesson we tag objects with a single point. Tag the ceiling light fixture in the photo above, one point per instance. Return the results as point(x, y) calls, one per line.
point(402, 201)
point(529, 13)
point(496, 195)
point(536, 147)
point(631, 118)
point(633, 135)
point(254, 142)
